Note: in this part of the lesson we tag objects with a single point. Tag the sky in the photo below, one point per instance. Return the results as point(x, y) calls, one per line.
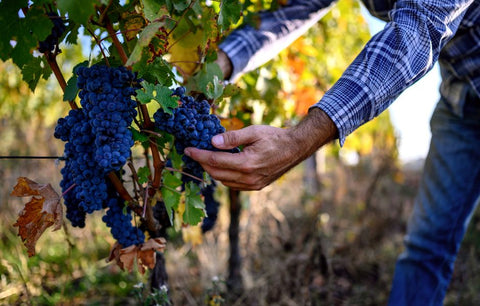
point(411, 112)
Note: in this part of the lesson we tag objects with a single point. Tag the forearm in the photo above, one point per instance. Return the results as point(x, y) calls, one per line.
point(314, 131)
point(224, 63)
point(249, 47)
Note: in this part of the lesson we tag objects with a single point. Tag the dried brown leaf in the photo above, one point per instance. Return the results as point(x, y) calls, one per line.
point(143, 255)
point(127, 257)
point(42, 211)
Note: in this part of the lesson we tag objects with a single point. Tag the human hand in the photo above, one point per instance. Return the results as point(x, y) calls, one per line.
point(268, 152)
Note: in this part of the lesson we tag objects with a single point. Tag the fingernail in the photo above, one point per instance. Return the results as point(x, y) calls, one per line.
point(187, 152)
point(217, 140)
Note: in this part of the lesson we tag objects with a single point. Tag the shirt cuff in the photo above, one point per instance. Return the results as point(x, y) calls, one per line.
point(348, 104)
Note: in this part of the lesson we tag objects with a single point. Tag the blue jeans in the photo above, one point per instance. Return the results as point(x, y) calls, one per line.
point(448, 195)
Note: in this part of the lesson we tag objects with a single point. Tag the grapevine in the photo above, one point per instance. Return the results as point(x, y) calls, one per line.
point(131, 113)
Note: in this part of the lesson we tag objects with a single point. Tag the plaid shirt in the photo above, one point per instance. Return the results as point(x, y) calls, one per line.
point(417, 34)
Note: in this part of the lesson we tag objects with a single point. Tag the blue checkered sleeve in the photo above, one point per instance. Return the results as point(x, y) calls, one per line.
point(404, 51)
point(249, 47)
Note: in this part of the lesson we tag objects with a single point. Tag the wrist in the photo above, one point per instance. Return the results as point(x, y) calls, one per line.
point(225, 64)
point(314, 131)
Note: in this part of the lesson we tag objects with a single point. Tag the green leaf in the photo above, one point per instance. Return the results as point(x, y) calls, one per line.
point(176, 160)
point(159, 71)
point(10, 25)
point(149, 32)
point(135, 56)
point(71, 89)
point(143, 173)
point(23, 32)
point(143, 41)
point(34, 70)
point(207, 80)
point(171, 197)
point(159, 93)
point(153, 9)
point(72, 33)
point(146, 95)
point(137, 136)
point(165, 99)
point(181, 5)
point(194, 206)
point(230, 12)
point(39, 23)
point(214, 89)
point(78, 12)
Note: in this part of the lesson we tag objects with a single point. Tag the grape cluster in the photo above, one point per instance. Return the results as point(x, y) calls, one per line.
point(98, 141)
point(121, 224)
point(106, 96)
point(80, 173)
point(192, 125)
point(51, 42)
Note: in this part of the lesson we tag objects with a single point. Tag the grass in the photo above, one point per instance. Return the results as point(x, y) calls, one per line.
point(327, 248)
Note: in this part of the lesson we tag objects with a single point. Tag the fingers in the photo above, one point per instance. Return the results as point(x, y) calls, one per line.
point(232, 139)
point(222, 160)
point(229, 168)
point(236, 180)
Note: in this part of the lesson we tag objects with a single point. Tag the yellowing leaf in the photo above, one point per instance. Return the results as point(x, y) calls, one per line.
point(192, 234)
point(134, 23)
point(186, 52)
point(42, 211)
point(231, 124)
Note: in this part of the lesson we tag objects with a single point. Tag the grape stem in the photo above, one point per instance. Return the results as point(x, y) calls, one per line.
point(68, 189)
point(111, 32)
point(185, 173)
point(52, 62)
point(99, 44)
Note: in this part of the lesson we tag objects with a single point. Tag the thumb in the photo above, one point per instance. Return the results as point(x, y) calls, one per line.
point(232, 139)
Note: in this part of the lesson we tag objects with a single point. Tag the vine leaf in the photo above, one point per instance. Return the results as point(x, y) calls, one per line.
point(230, 12)
point(193, 235)
point(156, 71)
point(79, 13)
point(71, 89)
point(143, 255)
point(153, 10)
point(143, 174)
point(207, 81)
point(214, 89)
point(170, 195)
point(143, 41)
point(34, 70)
point(194, 206)
point(133, 24)
point(42, 211)
point(159, 93)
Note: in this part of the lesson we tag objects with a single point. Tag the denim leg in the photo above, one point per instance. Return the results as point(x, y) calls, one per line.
point(448, 195)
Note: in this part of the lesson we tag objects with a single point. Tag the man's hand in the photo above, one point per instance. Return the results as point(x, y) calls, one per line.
point(268, 152)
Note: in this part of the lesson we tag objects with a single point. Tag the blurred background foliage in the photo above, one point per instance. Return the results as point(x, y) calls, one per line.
point(335, 243)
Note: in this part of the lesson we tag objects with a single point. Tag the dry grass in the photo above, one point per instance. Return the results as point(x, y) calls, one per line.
point(330, 248)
